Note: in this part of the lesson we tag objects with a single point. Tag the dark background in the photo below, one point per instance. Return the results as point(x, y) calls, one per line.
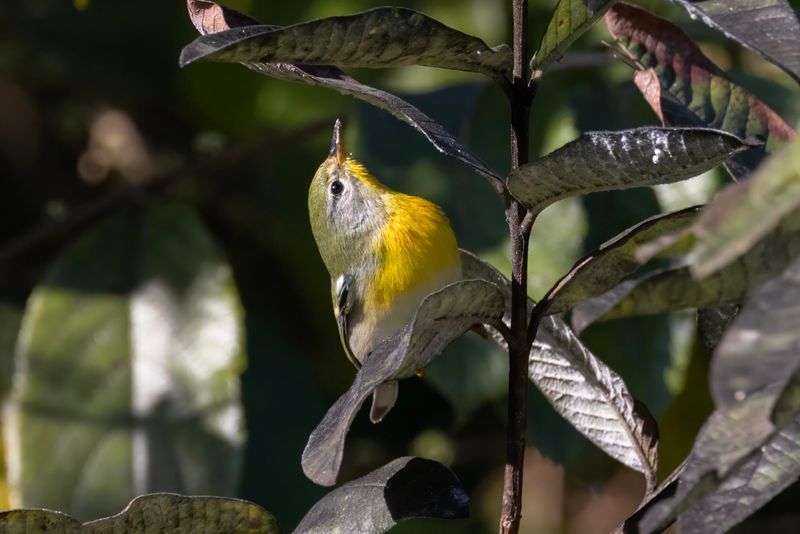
point(96, 117)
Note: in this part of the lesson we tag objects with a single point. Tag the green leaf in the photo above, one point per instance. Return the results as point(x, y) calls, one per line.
point(744, 212)
point(404, 488)
point(685, 88)
point(441, 317)
point(582, 389)
point(37, 521)
point(614, 260)
point(675, 289)
point(380, 37)
point(570, 19)
point(768, 27)
point(603, 161)
point(159, 512)
point(129, 361)
point(761, 347)
point(209, 17)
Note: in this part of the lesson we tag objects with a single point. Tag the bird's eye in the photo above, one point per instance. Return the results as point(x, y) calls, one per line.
point(337, 187)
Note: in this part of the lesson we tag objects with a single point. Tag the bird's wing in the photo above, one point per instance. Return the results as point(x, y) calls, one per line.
point(343, 298)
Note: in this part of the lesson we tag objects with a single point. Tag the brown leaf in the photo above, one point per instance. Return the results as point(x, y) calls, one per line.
point(210, 17)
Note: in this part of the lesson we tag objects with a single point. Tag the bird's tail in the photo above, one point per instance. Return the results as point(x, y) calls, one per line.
point(383, 398)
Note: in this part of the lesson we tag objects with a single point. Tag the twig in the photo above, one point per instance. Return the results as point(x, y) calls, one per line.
point(519, 224)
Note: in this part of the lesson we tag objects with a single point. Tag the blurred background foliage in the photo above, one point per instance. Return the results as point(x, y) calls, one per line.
point(154, 237)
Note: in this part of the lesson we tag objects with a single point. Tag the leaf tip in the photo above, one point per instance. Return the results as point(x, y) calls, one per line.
point(754, 141)
point(188, 55)
point(320, 475)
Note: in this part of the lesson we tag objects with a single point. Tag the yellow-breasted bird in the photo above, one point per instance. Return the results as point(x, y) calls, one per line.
point(385, 251)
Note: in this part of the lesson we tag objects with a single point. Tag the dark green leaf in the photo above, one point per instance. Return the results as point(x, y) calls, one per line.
point(209, 18)
point(159, 512)
point(130, 357)
point(602, 161)
point(675, 289)
point(380, 37)
point(764, 474)
point(744, 212)
point(405, 488)
point(738, 463)
point(570, 19)
point(762, 347)
point(614, 260)
point(441, 317)
point(38, 521)
point(713, 322)
point(769, 27)
point(685, 88)
point(581, 388)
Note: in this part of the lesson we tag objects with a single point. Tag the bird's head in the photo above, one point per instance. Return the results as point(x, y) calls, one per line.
point(347, 208)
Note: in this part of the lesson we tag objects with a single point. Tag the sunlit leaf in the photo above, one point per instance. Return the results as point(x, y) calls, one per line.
point(405, 488)
point(603, 161)
point(744, 212)
point(159, 512)
point(675, 288)
point(209, 17)
point(769, 27)
point(570, 19)
point(614, 260)
point(380, 37)
point(130, 356)
point(581, 388)
point(762, 347)
point(685, 88)
point(441, 317)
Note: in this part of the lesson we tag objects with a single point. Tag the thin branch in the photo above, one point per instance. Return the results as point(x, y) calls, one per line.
point(527, 222)
point(504, 331)
point(519, 228)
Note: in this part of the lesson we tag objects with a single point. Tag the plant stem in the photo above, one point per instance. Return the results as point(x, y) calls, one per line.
point(519, 228)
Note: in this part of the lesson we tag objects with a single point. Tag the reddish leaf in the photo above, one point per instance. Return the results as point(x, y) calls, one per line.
point(685, 88)
point(210, 17)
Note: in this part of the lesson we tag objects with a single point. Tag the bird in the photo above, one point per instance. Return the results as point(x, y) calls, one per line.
point(385, 252)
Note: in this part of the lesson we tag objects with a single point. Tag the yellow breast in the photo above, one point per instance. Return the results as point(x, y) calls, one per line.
point(416, 252)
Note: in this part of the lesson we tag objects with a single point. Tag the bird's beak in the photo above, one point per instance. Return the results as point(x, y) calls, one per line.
point(337, 148)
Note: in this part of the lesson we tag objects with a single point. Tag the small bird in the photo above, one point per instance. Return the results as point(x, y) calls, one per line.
point(385, 252)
